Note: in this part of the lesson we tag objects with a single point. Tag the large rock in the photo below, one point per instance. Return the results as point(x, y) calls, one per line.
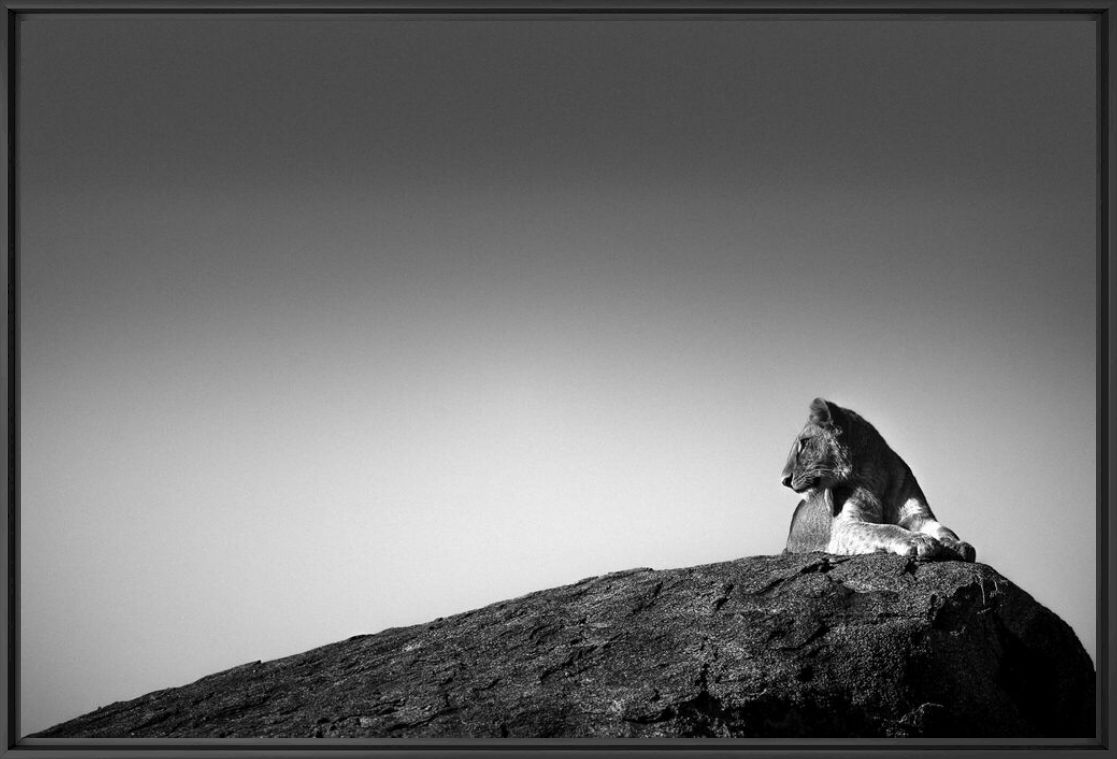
point(803, 645)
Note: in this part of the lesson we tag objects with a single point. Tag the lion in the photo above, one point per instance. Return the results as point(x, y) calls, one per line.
point(860, 496)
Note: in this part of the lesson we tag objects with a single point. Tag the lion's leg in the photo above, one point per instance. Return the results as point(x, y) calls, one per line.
point(916, 516)
point(810, 526)
point(851, 536)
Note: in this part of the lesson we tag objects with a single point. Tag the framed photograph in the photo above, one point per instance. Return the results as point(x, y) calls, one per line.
point(555, 376)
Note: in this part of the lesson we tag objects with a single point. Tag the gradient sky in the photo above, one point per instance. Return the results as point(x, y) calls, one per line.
point(335, 324)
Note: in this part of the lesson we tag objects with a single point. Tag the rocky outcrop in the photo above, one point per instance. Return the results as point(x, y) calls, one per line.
point(804, 645)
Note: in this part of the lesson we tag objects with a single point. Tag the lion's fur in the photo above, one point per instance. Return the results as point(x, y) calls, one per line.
point(860, 496)
point(810, 526)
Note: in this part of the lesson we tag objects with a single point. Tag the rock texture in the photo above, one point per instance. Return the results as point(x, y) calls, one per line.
point(805, 645)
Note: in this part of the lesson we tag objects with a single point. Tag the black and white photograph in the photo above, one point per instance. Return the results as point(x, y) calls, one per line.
point(641, 378)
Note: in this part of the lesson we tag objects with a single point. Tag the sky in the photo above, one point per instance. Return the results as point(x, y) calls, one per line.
point(333, 324)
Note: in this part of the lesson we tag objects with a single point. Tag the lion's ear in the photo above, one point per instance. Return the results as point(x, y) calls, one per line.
point(820, 411)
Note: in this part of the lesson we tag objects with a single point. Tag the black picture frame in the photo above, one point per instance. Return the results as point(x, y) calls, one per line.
point(1102, 11)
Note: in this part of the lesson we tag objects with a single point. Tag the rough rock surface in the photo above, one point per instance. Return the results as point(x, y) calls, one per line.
point(805, 645)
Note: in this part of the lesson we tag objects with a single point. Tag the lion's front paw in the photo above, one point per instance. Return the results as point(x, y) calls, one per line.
point(917, 546)
point(959, 548)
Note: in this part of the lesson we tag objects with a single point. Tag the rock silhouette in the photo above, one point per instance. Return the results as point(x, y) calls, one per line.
point(805, 645)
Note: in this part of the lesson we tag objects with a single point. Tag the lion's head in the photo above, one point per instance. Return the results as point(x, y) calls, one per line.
point(821, 456)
